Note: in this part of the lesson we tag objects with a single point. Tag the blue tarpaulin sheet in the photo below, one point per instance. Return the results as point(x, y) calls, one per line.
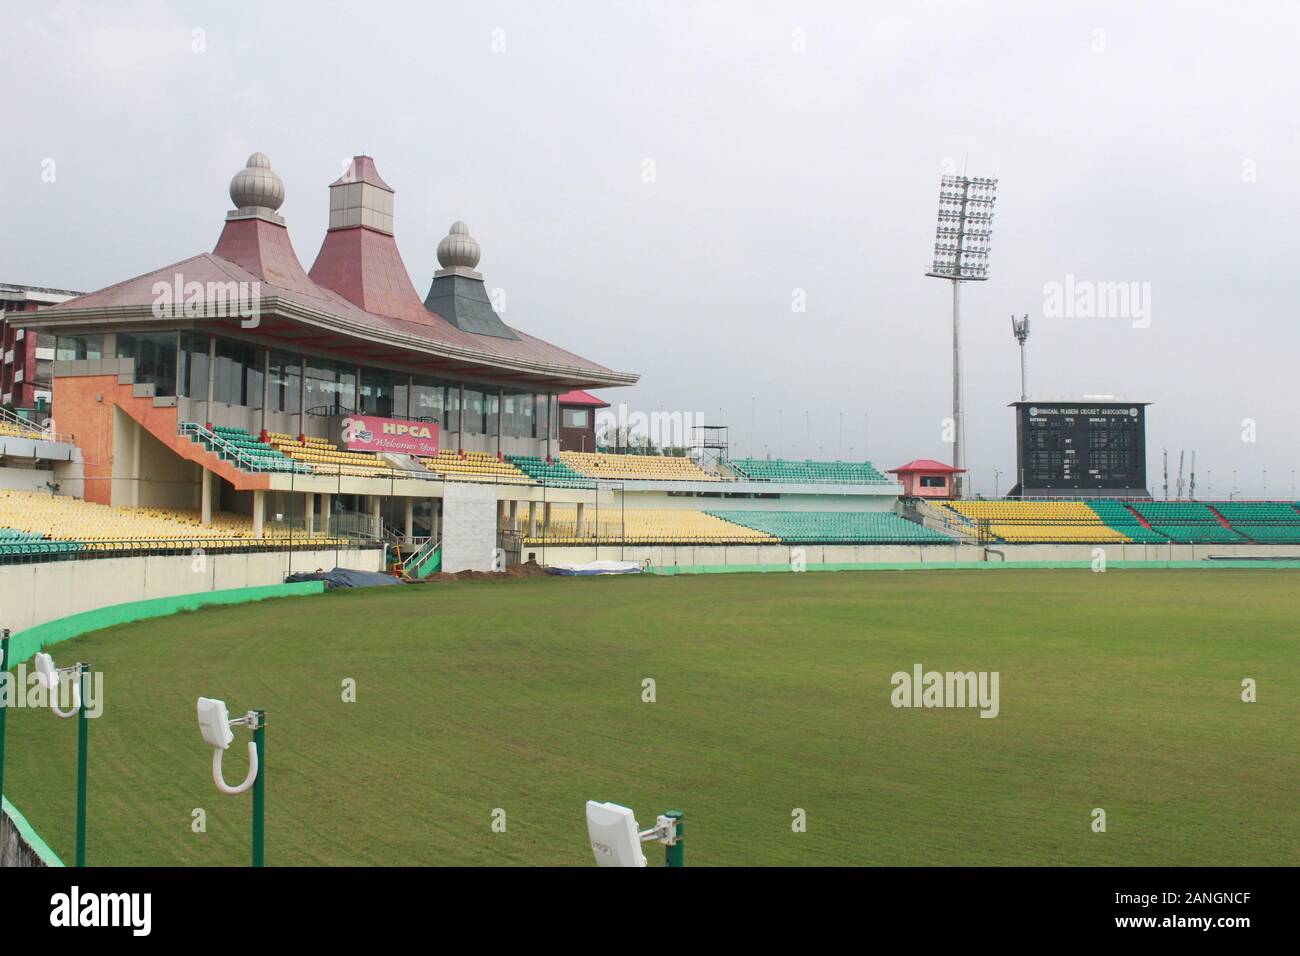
point(346, 578)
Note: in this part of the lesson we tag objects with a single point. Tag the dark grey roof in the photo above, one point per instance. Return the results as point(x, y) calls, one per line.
point(464, 303)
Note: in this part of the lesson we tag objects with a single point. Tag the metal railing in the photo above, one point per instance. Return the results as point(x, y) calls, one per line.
point(231, 452)
point(38, 432)
point(257, 464)
point(511, 544)
point(352, 524)
point(30, 552)
point(427, 548)
point(330, 411)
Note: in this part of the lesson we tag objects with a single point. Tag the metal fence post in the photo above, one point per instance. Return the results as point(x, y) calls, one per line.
point(4, 705)
point(674, 852)
point(83, 677)
point(259, 792)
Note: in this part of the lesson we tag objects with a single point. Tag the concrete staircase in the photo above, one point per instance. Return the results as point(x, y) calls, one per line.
point(158, 417)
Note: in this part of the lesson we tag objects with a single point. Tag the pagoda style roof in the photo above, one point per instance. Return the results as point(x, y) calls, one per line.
point(358, 299)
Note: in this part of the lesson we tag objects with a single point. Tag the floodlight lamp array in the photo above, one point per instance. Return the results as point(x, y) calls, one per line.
point(963, 237)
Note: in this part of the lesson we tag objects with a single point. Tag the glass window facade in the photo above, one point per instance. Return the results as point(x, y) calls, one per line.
point(429, 400)
point(402, 395)
point(286, 383)
point(155, 358)
point(543, 416)
point(380, 390)
point(452, 413)
point(237, 374)
point(194, 366)
point(520, 414)
point(73, 348)
point(331, 384)
point(44, 373)
point(245, 374)
point(472, 413)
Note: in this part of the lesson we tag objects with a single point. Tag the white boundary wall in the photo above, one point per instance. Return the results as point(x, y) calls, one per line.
point(781, 554)
point(32, 594)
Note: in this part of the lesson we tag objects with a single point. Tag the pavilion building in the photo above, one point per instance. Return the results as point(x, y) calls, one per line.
point(150, 372)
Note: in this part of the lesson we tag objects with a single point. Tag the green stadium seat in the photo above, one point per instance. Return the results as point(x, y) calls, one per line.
point(27, 545)
point(808, 472)
point(1199, 533)
point(1117, 516)
point(1258, 512)
point(232, 444)
point(555, 472)
point(1176, 513)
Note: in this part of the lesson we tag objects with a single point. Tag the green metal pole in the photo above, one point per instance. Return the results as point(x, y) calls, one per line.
point(4, 710)
point(83, 727)
point(673, 854)
point(259, 793)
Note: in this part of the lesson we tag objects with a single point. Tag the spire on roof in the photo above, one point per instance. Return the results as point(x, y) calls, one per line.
point(458, 293)
point(360, 197)
point(256, 190)
point(459, 252)
point(359, 258)
point(254, 236)
point(362, 170)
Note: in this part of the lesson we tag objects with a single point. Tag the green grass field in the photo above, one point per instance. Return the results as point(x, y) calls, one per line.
point(1118, 690)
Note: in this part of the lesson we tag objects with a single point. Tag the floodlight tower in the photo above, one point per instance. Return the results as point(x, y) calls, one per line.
point(961, 254)
point(1020, 329)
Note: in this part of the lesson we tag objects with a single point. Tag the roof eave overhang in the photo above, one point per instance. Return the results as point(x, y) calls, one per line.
point(275, 306)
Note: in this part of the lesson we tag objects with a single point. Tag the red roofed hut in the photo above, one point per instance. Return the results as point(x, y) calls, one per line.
point(926, 478)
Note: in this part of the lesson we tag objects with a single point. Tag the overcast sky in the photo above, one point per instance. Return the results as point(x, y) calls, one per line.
point(652, 183)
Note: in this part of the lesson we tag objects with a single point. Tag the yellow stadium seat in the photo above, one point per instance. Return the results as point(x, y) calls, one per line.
point(1037, 521)
point(70, 519)
point(635, 467)
point(643, 526)
point(475, 466)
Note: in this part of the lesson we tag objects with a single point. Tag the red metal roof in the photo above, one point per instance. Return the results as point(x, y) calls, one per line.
point(579, 397)
point(362, 170)
point(264, 249)
point(364, 266)
point(358, 300)
point(924, 464)
point(255, 249)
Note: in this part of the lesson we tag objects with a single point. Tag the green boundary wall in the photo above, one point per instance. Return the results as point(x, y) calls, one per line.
point(25, 644)
point(975, 566)
point(29, 836)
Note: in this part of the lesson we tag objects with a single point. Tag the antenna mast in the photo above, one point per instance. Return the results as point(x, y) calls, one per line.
point(1020, 329)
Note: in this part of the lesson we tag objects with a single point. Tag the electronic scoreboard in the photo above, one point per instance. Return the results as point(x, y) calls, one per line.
point(1080, 447)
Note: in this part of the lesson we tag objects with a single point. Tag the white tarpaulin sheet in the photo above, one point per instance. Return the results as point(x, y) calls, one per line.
point(595, 567)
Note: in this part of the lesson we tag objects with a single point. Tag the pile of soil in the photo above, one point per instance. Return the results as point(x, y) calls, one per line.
point(530, 569)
